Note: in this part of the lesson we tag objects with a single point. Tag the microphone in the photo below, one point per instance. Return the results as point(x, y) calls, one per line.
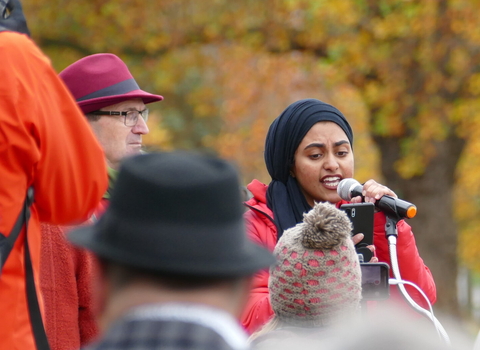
point(349, 188)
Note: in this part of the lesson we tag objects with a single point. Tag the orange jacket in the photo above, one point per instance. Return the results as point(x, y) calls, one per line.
point(262, 230)
point(46, 142)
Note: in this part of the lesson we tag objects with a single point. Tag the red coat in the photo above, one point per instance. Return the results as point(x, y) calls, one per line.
point(66, 277)
point(262, 230)
point(45, 142)
point(66, 280)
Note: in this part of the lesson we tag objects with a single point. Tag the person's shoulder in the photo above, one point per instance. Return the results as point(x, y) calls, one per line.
point(15, 42)
point(258, 193)
point(18, 49)
point(159, 333)
point(10, 36)
point(272, 340)
point(289, 338)
point(259, 217)
point(258, 211)
point(256, 186)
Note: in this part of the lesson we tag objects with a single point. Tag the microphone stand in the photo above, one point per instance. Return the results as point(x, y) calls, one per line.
point(391, 234)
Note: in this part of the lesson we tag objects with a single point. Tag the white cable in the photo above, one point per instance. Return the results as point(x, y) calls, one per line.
point(392, 240)
point(394, 282)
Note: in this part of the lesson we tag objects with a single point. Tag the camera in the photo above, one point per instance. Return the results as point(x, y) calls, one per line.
point(375, 284)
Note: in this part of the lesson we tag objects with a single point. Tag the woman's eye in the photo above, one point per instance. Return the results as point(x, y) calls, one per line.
point(342, 153)
point(315, 156)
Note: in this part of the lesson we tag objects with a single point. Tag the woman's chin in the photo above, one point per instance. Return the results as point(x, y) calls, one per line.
point(331, 198)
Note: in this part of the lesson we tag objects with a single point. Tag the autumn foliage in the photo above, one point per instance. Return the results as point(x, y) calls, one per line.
point(405, 73)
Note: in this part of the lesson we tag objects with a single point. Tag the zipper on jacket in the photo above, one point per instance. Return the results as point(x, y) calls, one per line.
point(261, 212)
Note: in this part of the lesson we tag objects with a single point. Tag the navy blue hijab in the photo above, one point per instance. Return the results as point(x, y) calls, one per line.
point(284, 196)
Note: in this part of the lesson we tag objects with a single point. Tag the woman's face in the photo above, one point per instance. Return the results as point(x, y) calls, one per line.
point(323, 158)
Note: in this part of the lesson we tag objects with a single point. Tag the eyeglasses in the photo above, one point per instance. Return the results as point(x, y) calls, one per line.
point(130, 117)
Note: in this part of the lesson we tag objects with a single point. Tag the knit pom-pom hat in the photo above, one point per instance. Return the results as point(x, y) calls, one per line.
point(317, 279)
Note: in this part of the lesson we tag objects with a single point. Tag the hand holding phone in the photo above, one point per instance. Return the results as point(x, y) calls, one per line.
point(361, 216)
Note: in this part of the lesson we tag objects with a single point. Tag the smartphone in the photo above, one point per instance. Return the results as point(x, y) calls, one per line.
point(375, 284)
point(361, 216)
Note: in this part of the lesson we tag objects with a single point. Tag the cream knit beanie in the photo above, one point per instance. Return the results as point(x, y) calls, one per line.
point(317, 278)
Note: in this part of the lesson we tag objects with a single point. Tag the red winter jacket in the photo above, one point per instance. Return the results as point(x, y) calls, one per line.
point(262, 230)
point(66, 278)
point(66, 281)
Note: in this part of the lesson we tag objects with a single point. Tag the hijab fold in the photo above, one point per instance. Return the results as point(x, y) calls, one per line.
point(284, 195)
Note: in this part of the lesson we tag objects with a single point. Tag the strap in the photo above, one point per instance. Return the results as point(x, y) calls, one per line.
point(7, 243)
point(35, 316)
point(6, 246)
point(36, 321)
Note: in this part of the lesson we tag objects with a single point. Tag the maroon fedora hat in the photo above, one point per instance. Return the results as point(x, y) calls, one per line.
point(101, 80)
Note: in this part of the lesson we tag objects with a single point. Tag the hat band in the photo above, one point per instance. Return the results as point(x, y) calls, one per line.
point(120, 88)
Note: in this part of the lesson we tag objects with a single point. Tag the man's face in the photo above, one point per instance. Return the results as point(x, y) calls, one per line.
point(118, 140)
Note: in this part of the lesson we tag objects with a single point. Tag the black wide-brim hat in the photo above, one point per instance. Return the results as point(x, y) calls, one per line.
point(176, 213)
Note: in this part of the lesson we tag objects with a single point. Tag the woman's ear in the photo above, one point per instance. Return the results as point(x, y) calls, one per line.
point(292, 174)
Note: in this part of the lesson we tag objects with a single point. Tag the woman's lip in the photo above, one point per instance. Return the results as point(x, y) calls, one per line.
point(328, 187)
point(336, 177)
point(327, 184)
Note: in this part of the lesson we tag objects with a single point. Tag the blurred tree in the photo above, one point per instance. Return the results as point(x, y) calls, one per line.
point(227, 68)
point(414, 63)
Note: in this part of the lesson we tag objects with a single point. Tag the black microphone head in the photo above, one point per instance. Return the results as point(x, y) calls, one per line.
point(345, 187)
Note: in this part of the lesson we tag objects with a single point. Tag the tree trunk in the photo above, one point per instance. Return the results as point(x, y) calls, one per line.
point(434, 226)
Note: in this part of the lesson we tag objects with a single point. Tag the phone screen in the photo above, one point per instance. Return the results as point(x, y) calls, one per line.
point(375, 284)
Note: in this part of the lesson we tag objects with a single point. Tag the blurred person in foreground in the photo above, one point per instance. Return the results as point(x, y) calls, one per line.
point(115, 108)
point(175, 261)
point(308, 151)
point(45, 143)
point(316, 284)
point(392, 328)
point(368, 333)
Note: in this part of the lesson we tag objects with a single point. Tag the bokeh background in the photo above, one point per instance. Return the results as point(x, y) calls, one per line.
point(405, 73)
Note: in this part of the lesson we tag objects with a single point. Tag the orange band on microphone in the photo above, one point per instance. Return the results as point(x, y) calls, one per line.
point(411, 212)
